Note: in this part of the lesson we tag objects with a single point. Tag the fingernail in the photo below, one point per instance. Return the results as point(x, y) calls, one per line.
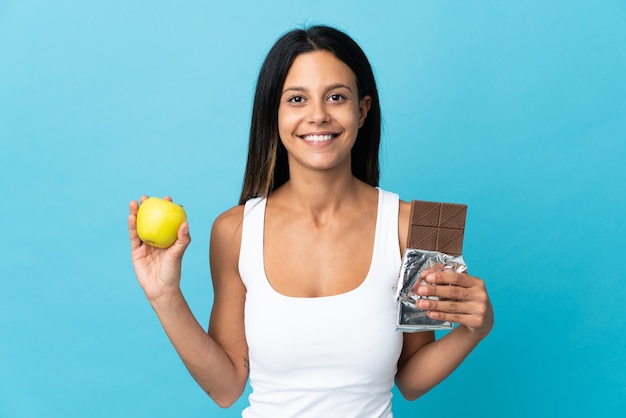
point(433, 315)
point(422, 289)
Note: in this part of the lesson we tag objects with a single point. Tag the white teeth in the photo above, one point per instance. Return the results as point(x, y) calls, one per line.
point(318, 138)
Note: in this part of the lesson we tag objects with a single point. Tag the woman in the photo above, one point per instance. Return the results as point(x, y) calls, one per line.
point(303, 267)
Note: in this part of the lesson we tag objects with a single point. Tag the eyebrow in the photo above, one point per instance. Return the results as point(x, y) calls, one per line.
point(331, 87)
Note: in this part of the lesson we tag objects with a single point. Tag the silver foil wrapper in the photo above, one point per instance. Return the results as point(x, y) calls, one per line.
point(410, 318)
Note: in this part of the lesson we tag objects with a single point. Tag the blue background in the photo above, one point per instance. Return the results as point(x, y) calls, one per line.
point(516, 108)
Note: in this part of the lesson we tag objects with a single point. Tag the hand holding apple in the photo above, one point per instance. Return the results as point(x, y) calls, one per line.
point(158, 221)
point(158, 269)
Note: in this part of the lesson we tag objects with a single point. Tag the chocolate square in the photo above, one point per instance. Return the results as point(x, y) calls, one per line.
point(423, 237)
point(425, 213)
point(450, 241)
point(452, 216)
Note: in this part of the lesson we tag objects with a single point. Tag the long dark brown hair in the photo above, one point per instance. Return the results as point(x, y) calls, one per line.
point(267, 167)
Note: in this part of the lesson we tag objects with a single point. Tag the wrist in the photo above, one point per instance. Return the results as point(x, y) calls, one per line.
point(473, 335)
point(166, 299)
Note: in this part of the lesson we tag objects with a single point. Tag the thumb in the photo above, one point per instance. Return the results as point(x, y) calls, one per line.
point(182, 241)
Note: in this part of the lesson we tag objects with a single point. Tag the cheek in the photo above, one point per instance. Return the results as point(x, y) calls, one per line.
point(287, 121)
point(351, 118)
point(286, 130)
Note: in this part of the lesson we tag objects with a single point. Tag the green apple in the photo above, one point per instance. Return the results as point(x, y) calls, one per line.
point(158, 221)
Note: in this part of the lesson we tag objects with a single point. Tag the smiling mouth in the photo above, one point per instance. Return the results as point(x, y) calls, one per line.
point(318, 138)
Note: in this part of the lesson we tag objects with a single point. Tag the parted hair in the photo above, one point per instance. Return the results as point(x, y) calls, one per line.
point(267, 167)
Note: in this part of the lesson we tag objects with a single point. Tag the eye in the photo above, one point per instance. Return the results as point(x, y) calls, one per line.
point(296, 99)
point(336, 97)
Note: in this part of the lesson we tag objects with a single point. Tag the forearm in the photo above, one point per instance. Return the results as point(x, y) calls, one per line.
point(434, 362)
point(205, 359)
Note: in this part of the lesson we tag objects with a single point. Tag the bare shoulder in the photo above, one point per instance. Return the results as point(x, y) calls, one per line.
point(405, 211)
point(227, 226)
point(230, 219)
point(226, 240)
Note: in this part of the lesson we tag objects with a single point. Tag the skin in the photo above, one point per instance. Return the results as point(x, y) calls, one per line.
point(325, 212)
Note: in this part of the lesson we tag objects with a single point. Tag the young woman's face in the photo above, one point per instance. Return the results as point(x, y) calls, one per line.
point(320, 112)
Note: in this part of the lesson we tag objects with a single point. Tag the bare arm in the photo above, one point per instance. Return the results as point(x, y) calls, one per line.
point(158, 271)
point(425, 362)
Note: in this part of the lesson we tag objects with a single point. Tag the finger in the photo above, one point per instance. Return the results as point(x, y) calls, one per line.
point(133, 206)
point(183, 238)
point(182, 242)
point(143, 198)
point(449, 317)
point(445, 292)
point(169, 198)
point(475, 316)
point(444, 306)
point(135, 242)
point(434, 269)
point(450, 278)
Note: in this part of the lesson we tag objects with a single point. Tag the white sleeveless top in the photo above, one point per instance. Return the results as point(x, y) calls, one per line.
point(330, 356)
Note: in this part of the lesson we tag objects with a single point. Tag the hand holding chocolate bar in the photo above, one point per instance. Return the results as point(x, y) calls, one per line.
point(454, 297)
point(433, 289)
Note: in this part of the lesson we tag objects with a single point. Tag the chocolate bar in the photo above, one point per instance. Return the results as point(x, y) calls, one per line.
point(435, 238)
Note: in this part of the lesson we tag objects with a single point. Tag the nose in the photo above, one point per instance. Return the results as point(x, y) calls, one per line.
point(319, 112)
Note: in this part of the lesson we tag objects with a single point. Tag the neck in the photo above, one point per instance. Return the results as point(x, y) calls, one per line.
point(320, 194)
point(329, 192)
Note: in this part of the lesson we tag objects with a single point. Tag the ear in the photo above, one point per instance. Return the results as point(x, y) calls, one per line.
point(364, 106)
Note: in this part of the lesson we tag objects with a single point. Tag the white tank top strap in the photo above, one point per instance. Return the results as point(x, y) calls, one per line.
point(251, 251)
point(387, 225)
